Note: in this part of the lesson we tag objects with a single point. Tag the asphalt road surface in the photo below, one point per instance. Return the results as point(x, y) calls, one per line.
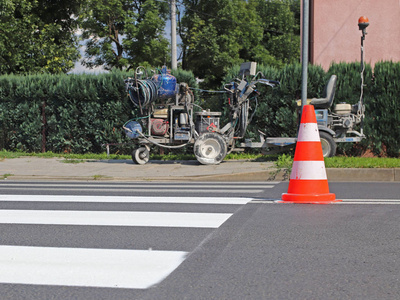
point(78, 240)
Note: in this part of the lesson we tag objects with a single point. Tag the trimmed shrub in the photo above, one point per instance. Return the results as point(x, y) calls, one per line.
point(384, 110)
point(66, 113)
point(80, 113)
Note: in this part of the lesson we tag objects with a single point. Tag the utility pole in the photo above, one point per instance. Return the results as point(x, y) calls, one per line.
point(174, 63)
point(304, 56)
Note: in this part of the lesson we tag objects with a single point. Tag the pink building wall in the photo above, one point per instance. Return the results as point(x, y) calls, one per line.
point(335, 36)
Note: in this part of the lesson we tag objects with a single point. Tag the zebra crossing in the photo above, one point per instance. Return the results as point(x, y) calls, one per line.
point(71, 247)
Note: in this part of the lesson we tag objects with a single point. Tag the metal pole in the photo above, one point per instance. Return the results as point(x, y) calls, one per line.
point(363, 23)
point(361, 103)
point(304, 56)
point(362, 51)
point(174, 63)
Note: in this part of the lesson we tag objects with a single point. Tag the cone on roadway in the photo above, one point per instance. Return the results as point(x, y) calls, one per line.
point(308, 182)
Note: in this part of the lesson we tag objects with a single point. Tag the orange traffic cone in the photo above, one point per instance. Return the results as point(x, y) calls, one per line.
point(308, 182)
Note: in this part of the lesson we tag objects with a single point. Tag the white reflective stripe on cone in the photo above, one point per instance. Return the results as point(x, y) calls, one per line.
point(308, 170)
point(308, 132)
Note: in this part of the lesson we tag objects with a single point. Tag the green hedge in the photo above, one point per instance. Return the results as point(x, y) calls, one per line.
point(384, 110)
point(79, 113)
point(66, 113)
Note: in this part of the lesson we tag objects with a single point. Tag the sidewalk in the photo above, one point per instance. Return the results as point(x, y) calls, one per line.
point(35, 168)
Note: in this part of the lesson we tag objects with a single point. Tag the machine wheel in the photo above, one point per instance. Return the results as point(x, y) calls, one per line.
point(140, 155)
point(210, 148)
point(328, 144)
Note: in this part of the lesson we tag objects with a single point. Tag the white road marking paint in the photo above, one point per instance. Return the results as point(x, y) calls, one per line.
point(343, 201)
point(370, 201)
point(139, 269)
point(113, 218)
point(109, 268)
point(240, 185)
point(122, 199)
point(136, 190)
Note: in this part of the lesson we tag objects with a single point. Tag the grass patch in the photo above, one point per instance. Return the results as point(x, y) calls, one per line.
point(361, 162)
point(98, 156)
point(11, 154)
point(285, 161)
point(100, 177)
point(73, 161)
point(282, 165)
point(5, 176)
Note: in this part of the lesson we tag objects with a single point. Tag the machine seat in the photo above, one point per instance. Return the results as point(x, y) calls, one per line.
point(328, 95)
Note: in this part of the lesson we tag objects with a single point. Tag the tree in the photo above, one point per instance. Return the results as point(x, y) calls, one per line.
point(214, 35)
point(218, 34)
point(38, 36)
point(121, 33)
point(281, 28)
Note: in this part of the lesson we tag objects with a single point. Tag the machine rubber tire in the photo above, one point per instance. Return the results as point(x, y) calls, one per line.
point(328, 144)
point(210, 148)
point(140, 155)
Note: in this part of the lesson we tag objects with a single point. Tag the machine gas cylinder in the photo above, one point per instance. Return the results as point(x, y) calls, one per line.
point(132, 129)
point(166, 83)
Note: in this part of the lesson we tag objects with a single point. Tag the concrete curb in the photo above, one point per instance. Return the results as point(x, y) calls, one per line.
point(33, 168)
point(381, 174)
point(333, 174)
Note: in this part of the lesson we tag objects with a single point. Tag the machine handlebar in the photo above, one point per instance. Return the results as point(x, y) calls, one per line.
point(269, 82)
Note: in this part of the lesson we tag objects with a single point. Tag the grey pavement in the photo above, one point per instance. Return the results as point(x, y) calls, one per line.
point(273, 251)
point(35, 168)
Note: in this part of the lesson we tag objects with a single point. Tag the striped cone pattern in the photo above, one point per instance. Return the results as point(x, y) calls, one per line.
point(308, 181)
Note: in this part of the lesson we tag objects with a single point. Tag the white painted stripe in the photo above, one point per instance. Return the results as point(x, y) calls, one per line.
point(308, 132)
point(342, 201)
point(363, 200)
point(123, 199)
point(264, 201)
point(308, 170)
point(370, 201)
point(374, 203)
point(137, 269)
point(113, 218)
point(240, 185)
point(134, 190)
